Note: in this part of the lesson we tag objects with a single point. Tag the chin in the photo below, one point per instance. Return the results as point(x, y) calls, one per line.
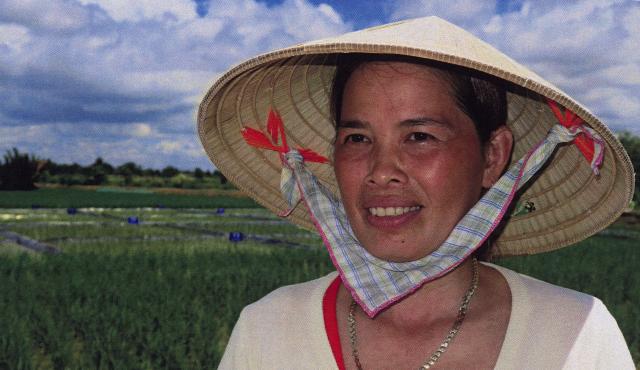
point(397, 253)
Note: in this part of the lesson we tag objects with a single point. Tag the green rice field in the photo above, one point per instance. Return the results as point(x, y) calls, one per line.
point(108, 197)
point(165, 292)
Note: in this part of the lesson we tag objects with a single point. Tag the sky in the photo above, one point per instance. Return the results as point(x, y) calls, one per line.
point(121, 79)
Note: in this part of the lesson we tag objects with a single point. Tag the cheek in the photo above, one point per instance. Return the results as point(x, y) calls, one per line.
point(450, 176)
point(348, 170)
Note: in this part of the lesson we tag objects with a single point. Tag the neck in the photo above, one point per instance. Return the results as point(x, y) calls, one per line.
point(434, 301)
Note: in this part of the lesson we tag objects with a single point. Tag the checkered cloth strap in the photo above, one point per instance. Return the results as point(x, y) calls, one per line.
point(376, 284)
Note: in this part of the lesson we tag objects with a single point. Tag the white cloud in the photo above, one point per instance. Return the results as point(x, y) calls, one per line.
point(51, 15)
point(305, 21)
point(330, 13)
point(201, 28)
point(630, 73)
point(468, 12)
point(138, 10)
point(493, 26)
point(184, 147)
point(141, 129)
point(179, 80)
point(168, 147)
point(631, 20)
point(14, 36)
point(258, 28)
point(614, 101)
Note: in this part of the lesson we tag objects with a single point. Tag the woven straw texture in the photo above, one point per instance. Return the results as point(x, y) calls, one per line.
point(571, 203)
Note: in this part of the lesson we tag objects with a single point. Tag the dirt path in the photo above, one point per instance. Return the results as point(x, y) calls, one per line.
point(29, 243)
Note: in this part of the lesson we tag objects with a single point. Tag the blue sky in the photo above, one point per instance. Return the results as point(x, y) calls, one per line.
point(121, 79)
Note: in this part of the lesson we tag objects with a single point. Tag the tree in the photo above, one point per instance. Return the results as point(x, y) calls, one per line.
point(102, 166)
point(129, 168)
point(97, 172)
point(632, 144)
point(223, 178)
point(19, 171)
point(169, 171)
point(63, 169)
point(149, 172)
point(198, 173)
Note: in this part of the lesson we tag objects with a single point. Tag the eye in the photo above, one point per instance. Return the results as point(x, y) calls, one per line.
point(420, 136)
point(356, 138)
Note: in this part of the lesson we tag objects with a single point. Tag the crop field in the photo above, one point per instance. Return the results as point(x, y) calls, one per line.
point(108, 197)
point(165, 291)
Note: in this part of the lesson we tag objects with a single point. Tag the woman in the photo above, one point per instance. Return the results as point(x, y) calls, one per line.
point(425, 178)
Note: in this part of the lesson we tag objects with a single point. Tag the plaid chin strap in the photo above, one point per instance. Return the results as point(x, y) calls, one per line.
point(376, 284)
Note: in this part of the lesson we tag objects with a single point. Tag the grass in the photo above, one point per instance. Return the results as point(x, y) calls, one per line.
point(170, 308)
point(64, 198)
point(131, 301)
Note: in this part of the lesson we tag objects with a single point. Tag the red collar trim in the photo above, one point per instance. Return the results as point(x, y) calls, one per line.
point(329, 302)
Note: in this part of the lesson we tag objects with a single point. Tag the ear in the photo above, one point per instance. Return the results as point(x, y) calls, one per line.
point(497, 153)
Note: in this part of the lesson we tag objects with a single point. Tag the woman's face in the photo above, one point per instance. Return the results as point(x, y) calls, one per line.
point(408, 161)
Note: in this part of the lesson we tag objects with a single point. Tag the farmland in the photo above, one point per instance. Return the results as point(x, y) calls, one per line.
point(161, 287)
point(108, 197)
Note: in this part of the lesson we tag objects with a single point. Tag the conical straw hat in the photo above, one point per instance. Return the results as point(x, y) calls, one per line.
point(571, 203)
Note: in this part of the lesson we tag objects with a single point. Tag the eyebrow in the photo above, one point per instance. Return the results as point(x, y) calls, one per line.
point(353, 124)
point(417, 121)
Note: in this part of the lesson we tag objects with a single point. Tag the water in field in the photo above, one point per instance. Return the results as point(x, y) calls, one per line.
point(88, 229)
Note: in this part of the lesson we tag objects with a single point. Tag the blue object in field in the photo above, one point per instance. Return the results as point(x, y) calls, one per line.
point(236, 236)
point(220, 211)
point(133, 220)
point(160, 206)
point(35, 206)
point(72, 211)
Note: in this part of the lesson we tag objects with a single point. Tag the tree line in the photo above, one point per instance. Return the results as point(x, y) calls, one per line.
point(21, 171)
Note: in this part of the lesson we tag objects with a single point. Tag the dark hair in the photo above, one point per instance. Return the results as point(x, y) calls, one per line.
point(481, 97)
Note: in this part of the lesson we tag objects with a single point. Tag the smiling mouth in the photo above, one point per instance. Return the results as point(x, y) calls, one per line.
point(391, 211)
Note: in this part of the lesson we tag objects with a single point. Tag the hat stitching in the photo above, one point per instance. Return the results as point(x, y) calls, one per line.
point(570, 222)
point(295, 106)
point(559, 156)
point(311, 99)
point(530, 129)
point(558, 185)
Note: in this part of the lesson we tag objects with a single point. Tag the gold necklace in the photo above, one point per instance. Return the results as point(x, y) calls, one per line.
point(462, 313)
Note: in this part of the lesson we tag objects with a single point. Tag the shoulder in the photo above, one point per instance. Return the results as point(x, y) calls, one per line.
point(284, 329)
point(544, 296)
point(555, 327)
point(554, 312)
point(600, 344)
point(291, 299)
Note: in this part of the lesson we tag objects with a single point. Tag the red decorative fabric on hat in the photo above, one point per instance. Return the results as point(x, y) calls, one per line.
point(589, 145)
point(275, 128)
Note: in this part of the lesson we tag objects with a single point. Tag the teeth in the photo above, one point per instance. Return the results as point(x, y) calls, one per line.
point(391, 211)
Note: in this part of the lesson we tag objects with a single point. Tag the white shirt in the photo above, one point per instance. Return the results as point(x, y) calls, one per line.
point(549, 328)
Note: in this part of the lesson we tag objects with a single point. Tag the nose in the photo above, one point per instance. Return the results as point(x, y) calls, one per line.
point(385, 168)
